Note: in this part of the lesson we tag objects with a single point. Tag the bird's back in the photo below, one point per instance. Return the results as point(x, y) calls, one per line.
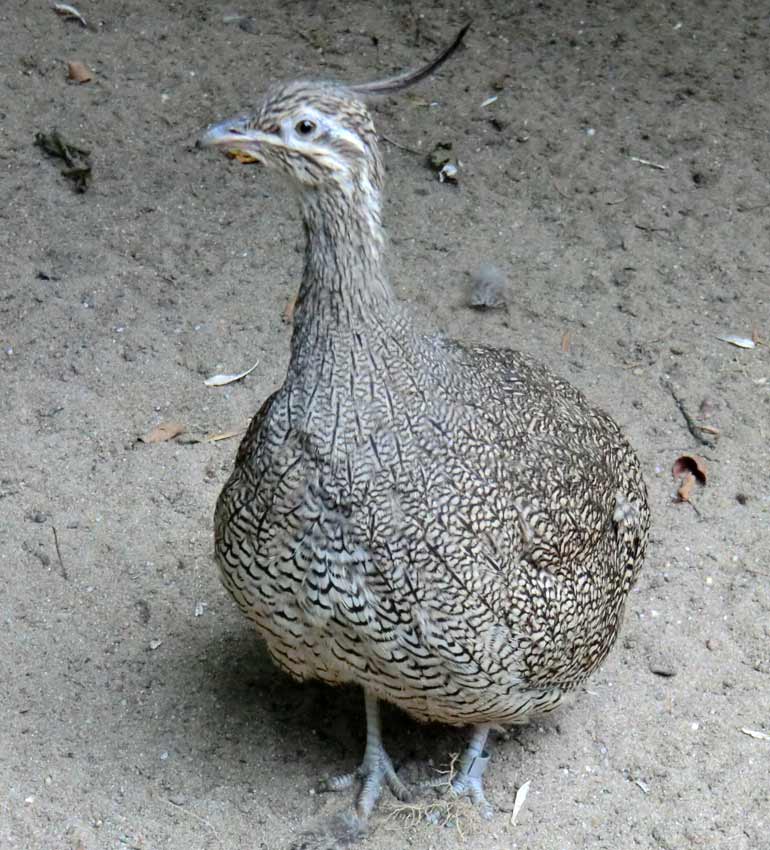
point(454, 528)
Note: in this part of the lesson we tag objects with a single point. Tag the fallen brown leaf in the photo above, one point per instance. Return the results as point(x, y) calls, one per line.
point(163, 433)
point(709, 429)
point(688, 470)
point(79, 72)
point(685, 489)
point(692, 464)
point(565, 342)
point(288, 311)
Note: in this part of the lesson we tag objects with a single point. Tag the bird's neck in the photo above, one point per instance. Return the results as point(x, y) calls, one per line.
point(344, 289)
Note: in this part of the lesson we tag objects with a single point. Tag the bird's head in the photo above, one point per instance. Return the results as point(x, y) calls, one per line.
point(318, 134)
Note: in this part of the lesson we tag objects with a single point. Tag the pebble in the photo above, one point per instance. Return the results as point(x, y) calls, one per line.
point(248, 24)
point(662, 666)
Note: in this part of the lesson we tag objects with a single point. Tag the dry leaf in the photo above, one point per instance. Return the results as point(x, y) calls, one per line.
point(521, 796)
point(163, 432)
point(692, 464)
point(738, 341)
point(710, 429)
point(753, 733)
point(689, 470)
point(225, 435)
point(686, 487)
point(222, 380)
point(565, 342)
point(78, 72)
point(288, 311)
point(241, 156)
point(69, 13)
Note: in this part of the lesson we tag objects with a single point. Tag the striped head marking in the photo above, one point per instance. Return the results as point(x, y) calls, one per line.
point(320, 135)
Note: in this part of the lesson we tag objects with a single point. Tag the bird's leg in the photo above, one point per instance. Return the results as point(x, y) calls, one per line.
point(467, 781)
point(473, 763)
point(375, 769)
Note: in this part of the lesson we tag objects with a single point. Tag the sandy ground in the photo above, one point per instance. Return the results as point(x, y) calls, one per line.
point(136, 709)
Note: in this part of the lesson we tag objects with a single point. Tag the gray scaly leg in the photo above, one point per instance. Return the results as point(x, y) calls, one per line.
point(375, 769)
point(467, 781)
point(473, 763)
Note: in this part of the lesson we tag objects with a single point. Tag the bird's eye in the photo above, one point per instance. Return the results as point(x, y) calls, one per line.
point(304, 127)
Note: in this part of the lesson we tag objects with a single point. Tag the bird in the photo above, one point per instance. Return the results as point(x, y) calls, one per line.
point(451, 527)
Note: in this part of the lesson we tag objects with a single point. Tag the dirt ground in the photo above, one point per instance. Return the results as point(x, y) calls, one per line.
point(620, 180)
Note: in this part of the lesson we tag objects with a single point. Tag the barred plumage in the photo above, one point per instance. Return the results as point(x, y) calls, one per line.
point(453, 528)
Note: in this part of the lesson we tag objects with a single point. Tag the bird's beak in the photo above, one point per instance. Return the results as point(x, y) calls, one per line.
point(235, 139)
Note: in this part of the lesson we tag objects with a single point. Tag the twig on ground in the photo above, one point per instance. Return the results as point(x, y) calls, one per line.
point(64, 574)
point(647, 162)
point(701, 434)
point(399, 145)
point(197, 817)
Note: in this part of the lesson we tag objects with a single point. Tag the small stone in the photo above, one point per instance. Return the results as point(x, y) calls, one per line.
point(248, 24)
point(712, 644)
point(662, 666)
point(154, 644)
point(707, 408)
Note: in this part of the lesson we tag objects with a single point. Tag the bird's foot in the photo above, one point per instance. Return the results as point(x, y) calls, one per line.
point(467, 782)
point(375, 771)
